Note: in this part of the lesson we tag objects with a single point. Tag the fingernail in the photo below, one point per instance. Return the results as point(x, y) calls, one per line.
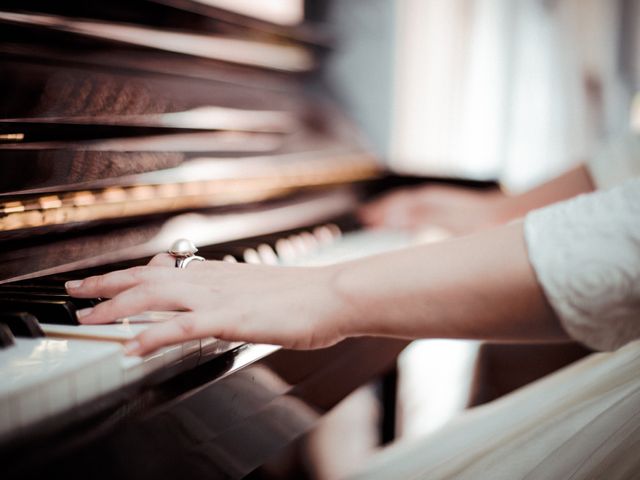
point(130, 348)
point(84, 312)
point(73, 284)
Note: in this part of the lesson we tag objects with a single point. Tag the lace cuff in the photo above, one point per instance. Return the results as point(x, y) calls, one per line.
point(586, 255)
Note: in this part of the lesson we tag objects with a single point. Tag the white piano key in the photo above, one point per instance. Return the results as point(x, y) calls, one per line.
point(250, 255)
point(115, 332)
point(27, 405)
point(311, 243)
point(300, 248)
point(324, 235)
point(267, 254)
point(108, 375)
point(87, 384)
point(354, 245)
point(134, 368)
point(59, 394)
point(285, 250)
point(334, 230)
point(130, 368)
point(40, 376)
point(95, 370)
point(22, 389)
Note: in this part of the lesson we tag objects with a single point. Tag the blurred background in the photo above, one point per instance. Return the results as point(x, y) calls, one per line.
point(490, 89)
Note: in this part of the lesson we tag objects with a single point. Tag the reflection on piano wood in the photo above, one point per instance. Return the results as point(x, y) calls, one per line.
point(126, 125)
point(203, 183)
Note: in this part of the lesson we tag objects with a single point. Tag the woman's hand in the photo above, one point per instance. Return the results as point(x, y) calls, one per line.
point(463, 210)
point(457, 209)
point(290, 306)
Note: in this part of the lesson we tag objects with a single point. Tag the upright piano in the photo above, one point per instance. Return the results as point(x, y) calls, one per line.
point(125, 125)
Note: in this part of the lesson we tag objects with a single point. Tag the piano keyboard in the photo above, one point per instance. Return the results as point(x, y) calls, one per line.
point(53, 364)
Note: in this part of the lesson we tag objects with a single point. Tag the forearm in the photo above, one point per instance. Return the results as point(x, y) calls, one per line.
point(572, 183)
point(479, 287)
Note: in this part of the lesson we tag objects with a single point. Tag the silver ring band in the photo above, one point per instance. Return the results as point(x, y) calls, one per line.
point(183, 262)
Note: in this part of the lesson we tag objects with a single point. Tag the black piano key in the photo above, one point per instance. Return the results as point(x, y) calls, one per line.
point(57, 280)
point(237, 249)
point(79, 303)
point(6, 337)
point(21, 324)
point(219, 254)
point(32, 287)
point(61, 312)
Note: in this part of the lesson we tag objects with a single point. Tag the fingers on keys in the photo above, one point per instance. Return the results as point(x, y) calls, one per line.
point(146, 296)
point(110, 284)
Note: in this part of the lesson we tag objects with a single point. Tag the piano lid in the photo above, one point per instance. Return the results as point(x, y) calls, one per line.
point(223, 48)
point(237, 18)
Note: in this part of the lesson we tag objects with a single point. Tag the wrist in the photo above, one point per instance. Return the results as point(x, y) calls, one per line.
point(370, 295)
point(350, 284)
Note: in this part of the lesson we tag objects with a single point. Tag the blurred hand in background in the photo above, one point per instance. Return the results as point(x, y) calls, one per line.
point(459, 210)
point(463, 210)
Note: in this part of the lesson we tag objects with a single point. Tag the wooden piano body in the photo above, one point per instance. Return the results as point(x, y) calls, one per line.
point(122, 127)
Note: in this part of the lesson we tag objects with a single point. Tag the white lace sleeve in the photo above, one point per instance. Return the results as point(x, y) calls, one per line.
point(586, 255)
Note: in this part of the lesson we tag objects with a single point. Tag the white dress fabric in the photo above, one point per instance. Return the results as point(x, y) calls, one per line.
point(582, 422)
point(586, 255)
